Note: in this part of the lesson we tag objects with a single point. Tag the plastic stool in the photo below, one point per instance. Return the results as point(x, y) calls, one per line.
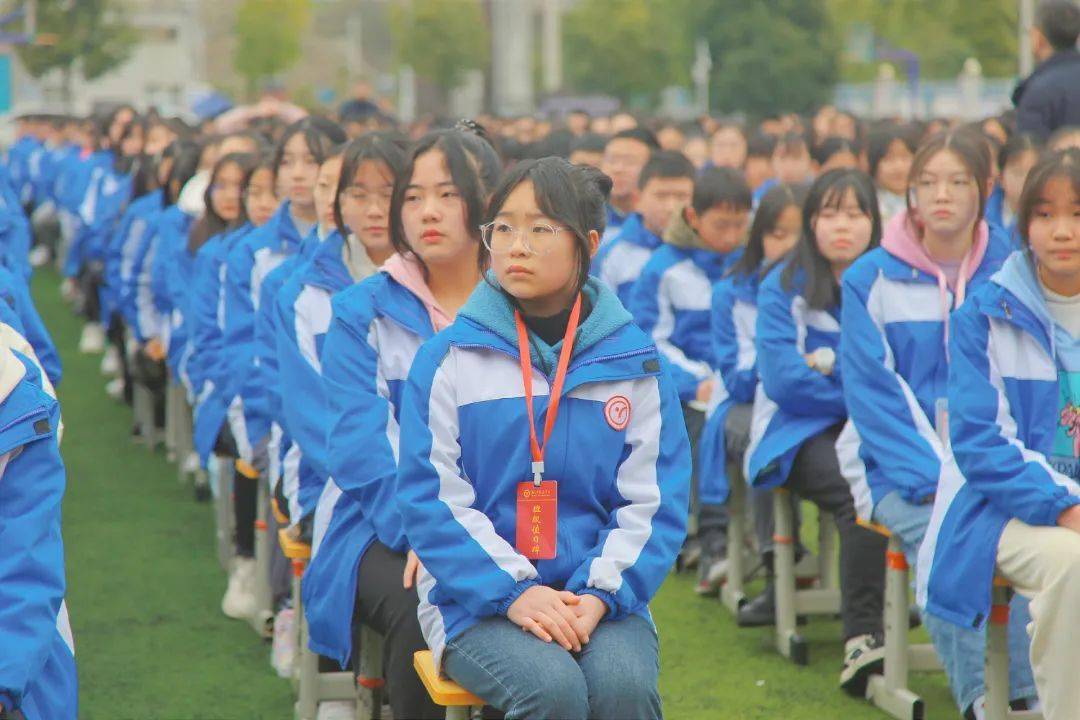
point(142, 403)
point(997, 658)
point(312, 686)
point(262, 620)
point(890, 692)
point(790, 601)
point(458, 701)
point(222, 476)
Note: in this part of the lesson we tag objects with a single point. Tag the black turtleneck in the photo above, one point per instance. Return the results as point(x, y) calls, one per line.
point(552, 329)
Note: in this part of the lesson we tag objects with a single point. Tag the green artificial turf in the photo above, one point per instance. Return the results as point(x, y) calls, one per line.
point(144, 589)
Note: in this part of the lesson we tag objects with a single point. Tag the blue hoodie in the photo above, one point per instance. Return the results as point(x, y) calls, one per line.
point(620, 261)
point(732, 328)
point(793, 402)
point(37, 664)
point(376, 327)
point(619, 447)
point(1014, 457)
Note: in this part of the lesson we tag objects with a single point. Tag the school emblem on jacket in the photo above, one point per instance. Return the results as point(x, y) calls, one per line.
point(617, 412)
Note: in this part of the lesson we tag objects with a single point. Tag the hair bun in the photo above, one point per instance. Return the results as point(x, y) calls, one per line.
point(598, 178)
point(469, 125)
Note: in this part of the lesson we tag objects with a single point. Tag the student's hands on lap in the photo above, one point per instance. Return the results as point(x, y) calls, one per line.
point(1070, 519)
point(548, 614)
point(590, 611)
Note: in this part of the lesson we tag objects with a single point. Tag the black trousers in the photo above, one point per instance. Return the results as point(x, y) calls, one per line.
point(245, 494)
point(815, 476)
point(384, 605)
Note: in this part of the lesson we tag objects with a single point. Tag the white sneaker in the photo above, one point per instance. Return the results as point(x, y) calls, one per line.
point(39, 256)
point(336, 710)
point(115, 389)
point(191, 463)
point(239, 600)
point(110, 362)
point(92, 340)
point(283, 650)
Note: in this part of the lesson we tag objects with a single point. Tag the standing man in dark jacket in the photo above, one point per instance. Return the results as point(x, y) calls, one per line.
point(1050, 97)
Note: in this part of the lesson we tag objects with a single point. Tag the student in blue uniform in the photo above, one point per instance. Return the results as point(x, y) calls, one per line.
point(544, 613)
point(671, 302)
point(625, 155)
point(360, 570)
point(773, 233)
point(1017, 157)
point(37, 660)
point(1008, 502)
point(665, 186)
point(799, 406)
point(359, 211)
point(890, 148)
point(897, 300)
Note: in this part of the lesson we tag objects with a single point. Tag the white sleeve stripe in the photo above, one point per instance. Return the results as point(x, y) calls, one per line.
point(312, 319)
point(637, 482)
point(456, 492)
point(665, 325)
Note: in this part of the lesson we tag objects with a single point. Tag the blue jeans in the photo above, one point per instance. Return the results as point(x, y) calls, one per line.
point(614, 676)
point(962, 650)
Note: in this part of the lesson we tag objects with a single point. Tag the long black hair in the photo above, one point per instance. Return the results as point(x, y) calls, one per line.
point(386, 147)
point(773, 204)
point(186, 155)
point(211, 224)
point(574, 195)
point(821, 291)
point(474, 167)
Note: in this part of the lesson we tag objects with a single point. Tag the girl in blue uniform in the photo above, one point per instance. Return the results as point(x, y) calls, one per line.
point(1008, 504)
point(359, 567)
point(544, 468)
point(799, 405)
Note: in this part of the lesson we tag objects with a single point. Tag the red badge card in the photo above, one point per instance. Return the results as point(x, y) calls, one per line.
point(537, 519)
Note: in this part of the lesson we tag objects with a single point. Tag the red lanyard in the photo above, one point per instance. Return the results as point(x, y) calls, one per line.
point(556, 387)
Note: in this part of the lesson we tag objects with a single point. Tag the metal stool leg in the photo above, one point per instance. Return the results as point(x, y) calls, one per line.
point(262, 620)
point(997, 656)
point(733, 594)
point(790, 644)
point(223, 479)
point(890, 692)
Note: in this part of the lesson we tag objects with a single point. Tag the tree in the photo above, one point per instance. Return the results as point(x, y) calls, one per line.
point(88, 33)
point(441, 40)
point(631, 49)
point(943, 34)
point(268, 38)
point(770, 55)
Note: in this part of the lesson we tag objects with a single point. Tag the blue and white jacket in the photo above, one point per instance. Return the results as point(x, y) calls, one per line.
point(247, 265)
point(122, 250)
point(672, 300)
point(37, 663)
point(996, 212)
point(15, 292)
point(303, 319)
point(620, 261)
point(208, 364)
point(619, 449)
point(376, 327)
point(1013, 457)
point(896, 373)
point(733, 321)
point(793, 402)
point(171, 269)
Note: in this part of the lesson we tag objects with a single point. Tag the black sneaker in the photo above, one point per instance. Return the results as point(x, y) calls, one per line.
point(761, 611)
point(864, 655)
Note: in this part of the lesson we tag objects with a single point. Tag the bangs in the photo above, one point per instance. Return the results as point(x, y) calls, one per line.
point(833, 197)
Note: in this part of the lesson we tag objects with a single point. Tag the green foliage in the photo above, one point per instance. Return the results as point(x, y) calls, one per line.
point(768, 55)
point(942, 33)
point(268, 36)
point(92, 31)
point(441, 39)
point(627, 48)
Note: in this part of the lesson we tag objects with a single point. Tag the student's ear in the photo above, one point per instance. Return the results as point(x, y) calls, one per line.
point(593, 242)
point(691, 217)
